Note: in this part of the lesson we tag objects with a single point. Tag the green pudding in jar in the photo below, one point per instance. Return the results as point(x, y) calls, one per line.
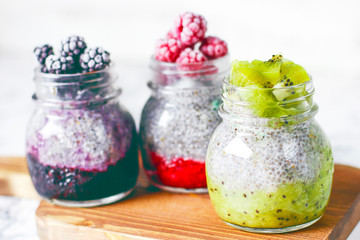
point(269, 165)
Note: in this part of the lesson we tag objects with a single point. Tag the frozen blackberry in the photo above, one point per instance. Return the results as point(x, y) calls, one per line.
point(59, 64)
point(42, 52)
point(94, 59)
point(73, 46)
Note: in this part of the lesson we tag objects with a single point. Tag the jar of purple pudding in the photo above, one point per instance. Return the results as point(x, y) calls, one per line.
point(81, 144)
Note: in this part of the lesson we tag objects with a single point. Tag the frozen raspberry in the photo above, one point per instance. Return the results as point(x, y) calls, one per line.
point(194, 63)
point(213, 47)
point(190, 28)
point(167, 50)
point(171, 34)
point(189, 55)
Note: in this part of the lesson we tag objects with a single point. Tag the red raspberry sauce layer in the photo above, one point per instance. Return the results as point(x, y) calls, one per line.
point(180, 172)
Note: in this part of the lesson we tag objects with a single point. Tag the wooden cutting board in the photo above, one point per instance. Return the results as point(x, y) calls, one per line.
point(152, 214)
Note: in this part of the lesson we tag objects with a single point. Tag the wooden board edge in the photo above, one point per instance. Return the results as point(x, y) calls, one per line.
point(348, 222)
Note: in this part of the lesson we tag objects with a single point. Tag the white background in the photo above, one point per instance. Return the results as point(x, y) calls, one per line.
point(322, 36)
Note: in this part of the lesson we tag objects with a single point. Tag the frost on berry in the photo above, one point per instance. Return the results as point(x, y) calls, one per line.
point(195, 63)
point(167, 50)
point(94, 59)
point(59, 64)
point(171, 34)
point(42, 52)
point(188, 56)
point(213, 47)
point(190, 28)
point(73, 46)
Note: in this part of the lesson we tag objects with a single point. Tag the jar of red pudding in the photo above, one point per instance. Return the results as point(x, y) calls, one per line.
point(178, 120)
point(81, 144)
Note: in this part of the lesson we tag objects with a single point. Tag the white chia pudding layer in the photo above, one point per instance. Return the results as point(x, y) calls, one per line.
point(180, 123)
point(79, 138)
point(263, 158)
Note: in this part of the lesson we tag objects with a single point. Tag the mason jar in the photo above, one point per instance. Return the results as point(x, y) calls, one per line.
point(81, 144)
point(268, 174)
point(178, 120)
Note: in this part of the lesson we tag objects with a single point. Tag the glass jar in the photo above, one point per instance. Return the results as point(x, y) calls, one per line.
point(177, 122)
point(81, 145)
point(265, 174)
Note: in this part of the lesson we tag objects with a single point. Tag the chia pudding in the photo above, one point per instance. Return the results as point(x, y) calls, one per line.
point(181, 114)
point(81, 144)
point(269, 165)
point(175, 129)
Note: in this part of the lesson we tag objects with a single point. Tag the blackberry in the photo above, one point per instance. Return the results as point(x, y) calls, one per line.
point(94, 59)
point(42, 52)
point(59, 64)
point(73, 46)
point(43, 69)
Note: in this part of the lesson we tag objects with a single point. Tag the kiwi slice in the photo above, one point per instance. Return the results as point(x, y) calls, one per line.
point(282, 75)
point(295, 73)
point(266, 74)
point(244, 74)
point(286, 90)
point(271, 71)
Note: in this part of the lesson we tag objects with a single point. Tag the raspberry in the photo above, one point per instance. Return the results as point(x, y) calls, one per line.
point(73, 46)
point(213, 47)
point(94, 59)
point(167, 50)
point(59, 64)
point(42, 52)
point(190, 28)
point(195, 64)
point(171, 34)
point(188, 56)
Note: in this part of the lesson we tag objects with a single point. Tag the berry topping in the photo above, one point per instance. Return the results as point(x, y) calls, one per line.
point(190, 28)
point(189, 55)
point(94, 59)
point(73, 57)
point(171, 34)
point(73, 46)
point(167, 50)
point(213, 47)
point(42, 52)
point(59, 64)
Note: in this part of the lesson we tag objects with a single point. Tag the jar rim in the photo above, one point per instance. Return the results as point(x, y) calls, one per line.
point(190, 75)
point(227, 86)
point(227, 82)
point(77, 90)
point(268, 103)
point(210, 67)
point(39, 73)
point(211, 61)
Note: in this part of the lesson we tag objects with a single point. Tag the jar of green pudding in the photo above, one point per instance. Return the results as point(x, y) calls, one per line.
point(269, 165)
